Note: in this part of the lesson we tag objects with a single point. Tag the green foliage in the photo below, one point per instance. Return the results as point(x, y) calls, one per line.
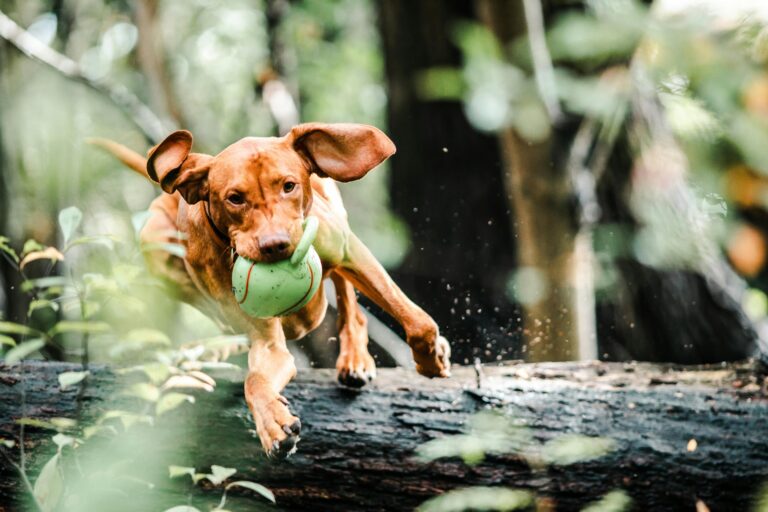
point(607, 33)
point(614, 501)
point(569, 449)
point(6, 249)
point(479, 498)
point(170, 401)
point(69, 220)
point(761, 502)
point(257, 488)
point(24, 349)
point(49, 486)
point(68, 379)
point(219, 474)
point(217, 477)
point(83, 319)
point(488, 433)
point(492, 433)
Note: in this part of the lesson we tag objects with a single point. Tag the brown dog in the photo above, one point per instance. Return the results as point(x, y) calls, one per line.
point(253, 197)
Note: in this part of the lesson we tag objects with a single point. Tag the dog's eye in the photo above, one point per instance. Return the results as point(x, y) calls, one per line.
point(288, 186)
point(235, 198)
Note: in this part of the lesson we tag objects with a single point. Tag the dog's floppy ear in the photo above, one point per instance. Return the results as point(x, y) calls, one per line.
point(171, 164)
point(345, 152)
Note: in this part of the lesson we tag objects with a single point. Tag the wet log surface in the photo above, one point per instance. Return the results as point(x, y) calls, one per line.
point(356, 451)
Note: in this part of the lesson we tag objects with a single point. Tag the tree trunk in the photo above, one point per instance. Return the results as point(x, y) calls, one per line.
point(152, 60)
point(676, 311)
point(546, 222)
point(357, 447)
point(446, 184)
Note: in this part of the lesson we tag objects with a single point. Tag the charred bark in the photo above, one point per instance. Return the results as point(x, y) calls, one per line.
point(357, 447)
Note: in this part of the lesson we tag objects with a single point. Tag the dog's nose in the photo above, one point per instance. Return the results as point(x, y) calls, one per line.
point(274, 247)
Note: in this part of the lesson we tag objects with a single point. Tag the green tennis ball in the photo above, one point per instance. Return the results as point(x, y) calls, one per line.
point(266, 290)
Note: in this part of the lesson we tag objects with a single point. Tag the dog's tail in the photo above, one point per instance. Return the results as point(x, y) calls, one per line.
point(126, 155)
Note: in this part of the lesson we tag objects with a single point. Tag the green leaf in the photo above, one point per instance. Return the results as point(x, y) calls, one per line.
point(14, 328)
point(144, 390)
point(225, 340)
point(107, 241)
point(44, 283)
point(583, 39)
point(258, 488)
point(440, 83)
point(477, 41)
point(139, 219)
point(148, 336)
point(34, 422)
point(8, 443)
point(40, 304)
point(176, 471)
point(32, 245)
point(219, 474)
point(479, 498)
point(67, 379)
point(614, 501)
point(572, 448)
point(128, 419)
point(488, 433)
point(49, 253)
point(69, 220)
point(747, 132)
point(92, 430)
point(49, 485)
point(63, 423)
point(21, 351)
point(170, 401)
point(7, 249)
point(84, 327)
point(133, 419)
point(175, 249)
point(58, 424)
point(63, 440)
point(7, 340)
point(156, 372)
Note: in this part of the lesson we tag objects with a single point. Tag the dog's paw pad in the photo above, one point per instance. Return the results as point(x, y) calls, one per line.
point(287, 447)
point(355, 378)
point(294, 429)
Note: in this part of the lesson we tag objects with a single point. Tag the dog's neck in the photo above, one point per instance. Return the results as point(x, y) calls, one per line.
point(220, 235)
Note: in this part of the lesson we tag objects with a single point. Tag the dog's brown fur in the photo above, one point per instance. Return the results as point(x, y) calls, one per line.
point(261, 218)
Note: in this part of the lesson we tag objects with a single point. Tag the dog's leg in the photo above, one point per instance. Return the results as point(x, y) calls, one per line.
point(355, 366)
point(270, 368)
point(431, 351)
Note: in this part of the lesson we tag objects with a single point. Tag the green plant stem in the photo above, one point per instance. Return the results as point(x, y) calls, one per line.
point(22, 474)
point(21, 467)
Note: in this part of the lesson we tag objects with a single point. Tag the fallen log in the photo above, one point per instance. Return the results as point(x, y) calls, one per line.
point(357, 447)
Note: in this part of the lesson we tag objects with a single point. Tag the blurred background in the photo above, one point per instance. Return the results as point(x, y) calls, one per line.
point(574, 179)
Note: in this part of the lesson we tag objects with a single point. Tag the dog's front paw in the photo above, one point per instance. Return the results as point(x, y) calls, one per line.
point(355, 370)
point(435, 362)
point(278, 429)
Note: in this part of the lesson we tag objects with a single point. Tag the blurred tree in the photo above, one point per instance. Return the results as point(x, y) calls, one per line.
point(559, 306)
point(577, 131)
point(152, 60)
point(446, 183)
point(685, 311)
